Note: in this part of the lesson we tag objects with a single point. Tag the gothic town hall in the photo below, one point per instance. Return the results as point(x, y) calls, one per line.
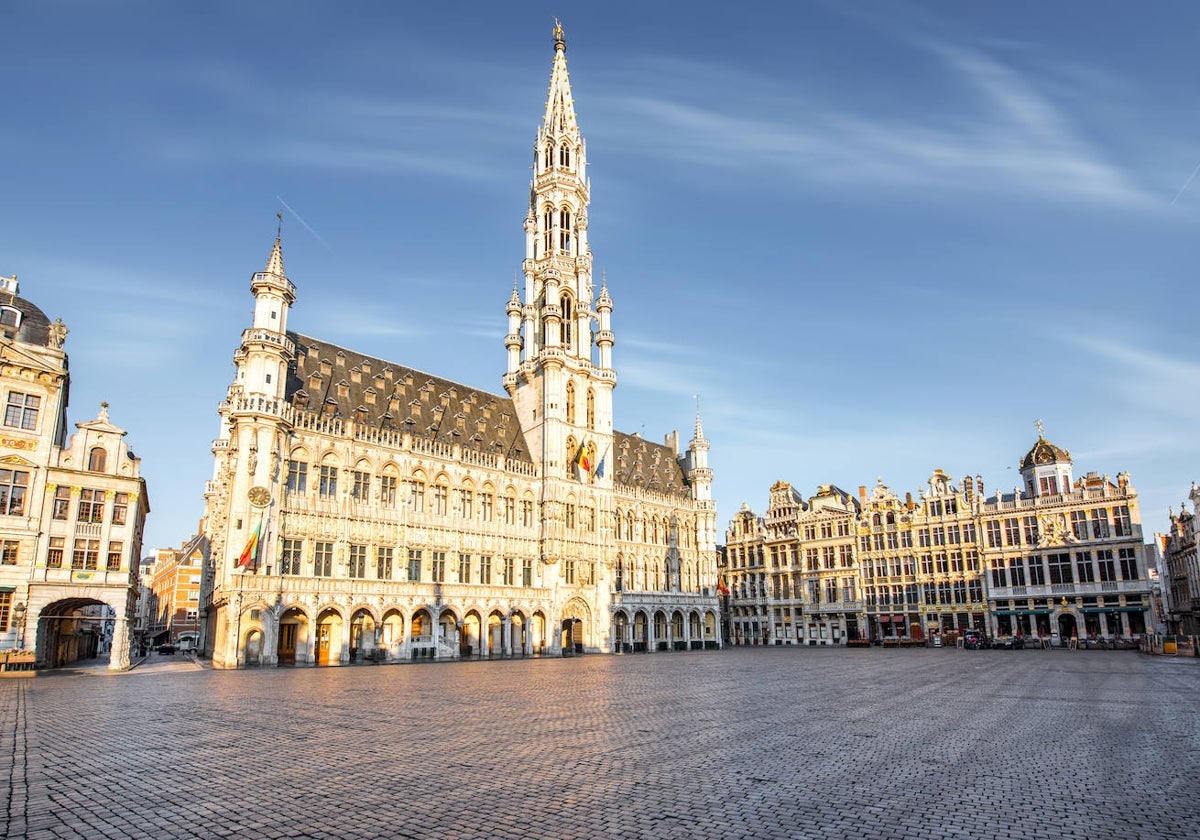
point(361, 510)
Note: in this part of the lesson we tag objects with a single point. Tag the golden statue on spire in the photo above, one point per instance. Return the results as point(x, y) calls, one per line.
point(560, 39)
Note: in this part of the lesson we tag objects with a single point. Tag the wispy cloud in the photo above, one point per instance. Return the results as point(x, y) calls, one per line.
point(1004, 135)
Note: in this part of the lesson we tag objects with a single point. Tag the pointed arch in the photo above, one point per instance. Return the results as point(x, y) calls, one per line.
point(567, 305)
point(571, 401)
point(591, 409)
point(564, 230)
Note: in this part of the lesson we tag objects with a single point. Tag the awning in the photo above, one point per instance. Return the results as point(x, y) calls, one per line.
point(885, 618)
point(1022, 612)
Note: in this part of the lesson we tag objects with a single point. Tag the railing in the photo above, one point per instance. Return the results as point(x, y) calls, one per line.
point(268, 337)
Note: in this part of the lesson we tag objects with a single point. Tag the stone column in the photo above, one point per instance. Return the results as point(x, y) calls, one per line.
point(506, 637)
point(310, 642)
point(118, 657)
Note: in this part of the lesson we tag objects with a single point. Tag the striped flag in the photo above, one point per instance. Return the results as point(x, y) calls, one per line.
point(250, 552)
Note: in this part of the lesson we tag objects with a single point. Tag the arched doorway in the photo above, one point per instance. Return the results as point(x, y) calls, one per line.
point(697, 636)
point(575, 621)
point(1067, 627)
point(392, 633)
point(293, 637)
point(253, 647)
point(621, 642)
point(679, 641)
point(495, 635)
point(641, 630)
point(538, 632)
point(76, 629)
point(516, 634)
point(447, 640)
point(329, 638)
point(362, 635)
point(660, 630)
point(710, 630)
point(468, 644)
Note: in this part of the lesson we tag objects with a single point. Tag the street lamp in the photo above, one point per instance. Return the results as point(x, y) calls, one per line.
point(18, 614)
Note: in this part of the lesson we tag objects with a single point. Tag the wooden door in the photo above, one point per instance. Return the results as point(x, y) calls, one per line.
point(287, 644)
point(324, 652)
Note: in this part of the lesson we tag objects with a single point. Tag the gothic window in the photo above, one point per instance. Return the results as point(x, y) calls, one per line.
point(547, 157)
point(571, 402)
point(572, 452)
point(564, 155)
point(564, 231)
point(547, 230)
point(568, 318)
point(297, 477)
point(591, 409)
point(327, 483)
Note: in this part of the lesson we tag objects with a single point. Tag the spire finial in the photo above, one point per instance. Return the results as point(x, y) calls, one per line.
point(560, 39)
point(275, 261)
point(1040, 428)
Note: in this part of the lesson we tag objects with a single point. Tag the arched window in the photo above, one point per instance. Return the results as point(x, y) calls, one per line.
point(564, 155)
point(547, 230)
point(548, 157)
point(568, 318)
point(571, 402)
point(591, 409)
point(629, 526)
point(97, 459)
point(564, 231)
point(572, 451)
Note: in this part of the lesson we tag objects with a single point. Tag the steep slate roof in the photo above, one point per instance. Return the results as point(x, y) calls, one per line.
point(648, 466)
point(342, 383)
point(35, 326)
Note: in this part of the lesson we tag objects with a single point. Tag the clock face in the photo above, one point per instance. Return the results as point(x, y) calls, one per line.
point(259, 496)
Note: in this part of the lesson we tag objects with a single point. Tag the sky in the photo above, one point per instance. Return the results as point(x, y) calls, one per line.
point(874, 239)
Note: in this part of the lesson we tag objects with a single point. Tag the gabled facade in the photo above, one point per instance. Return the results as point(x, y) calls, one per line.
point(72, 510)
point(172, 593)
point(363, 510)
point(1182, 570)
point(1057, 556)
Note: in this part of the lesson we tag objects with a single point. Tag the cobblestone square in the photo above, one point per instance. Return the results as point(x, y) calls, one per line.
point(748, 743)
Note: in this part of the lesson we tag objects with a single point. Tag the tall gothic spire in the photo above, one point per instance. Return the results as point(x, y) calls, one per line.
point(559, 120)
point(275, 261)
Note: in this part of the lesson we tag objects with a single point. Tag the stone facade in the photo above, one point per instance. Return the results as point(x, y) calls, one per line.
point(363, 510)
point(1057, 557)
point(171, 593)
point(1182, 570)
point(71, 510)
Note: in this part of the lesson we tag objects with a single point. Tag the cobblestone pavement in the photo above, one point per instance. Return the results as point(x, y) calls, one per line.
point(746, 743)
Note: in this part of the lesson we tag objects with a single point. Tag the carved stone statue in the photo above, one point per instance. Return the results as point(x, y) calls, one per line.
point(58, 334)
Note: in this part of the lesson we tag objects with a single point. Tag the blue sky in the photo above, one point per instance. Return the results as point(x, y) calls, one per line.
point(875, 238)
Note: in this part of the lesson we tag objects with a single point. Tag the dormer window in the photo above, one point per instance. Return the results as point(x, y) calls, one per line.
point(9, 317)
point(97, 459)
